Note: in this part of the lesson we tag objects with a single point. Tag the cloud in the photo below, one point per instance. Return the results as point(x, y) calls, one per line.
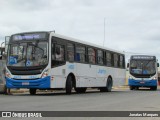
point(130, 25)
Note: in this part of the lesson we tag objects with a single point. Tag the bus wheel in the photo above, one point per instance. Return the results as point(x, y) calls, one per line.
point(69, 85)
point(32, 91)
point(131, 87)
point(5, 90)
point(80, 90)
point(136, 88)
point(102, 89)
point(154, 88)
point(109, 85)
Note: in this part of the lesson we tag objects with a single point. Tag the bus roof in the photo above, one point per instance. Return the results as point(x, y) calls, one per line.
point(84, 42)
point(73, 39)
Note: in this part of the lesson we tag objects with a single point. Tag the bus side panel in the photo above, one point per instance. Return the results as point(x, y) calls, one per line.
point(102, 75)
point(96, 76)
point(84, 74)
point(58, 78)
point(118, 76)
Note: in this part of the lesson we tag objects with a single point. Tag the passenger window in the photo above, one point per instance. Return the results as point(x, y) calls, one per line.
point(109, 59)
point(115, 60)
point(80, 53)
point(70, 52)
point(92, 55)
point(121, 61)
point(59, 53)
point(100, 57)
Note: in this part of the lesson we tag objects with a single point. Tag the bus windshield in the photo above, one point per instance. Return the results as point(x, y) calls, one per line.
point(142, 67)
point(33, 53)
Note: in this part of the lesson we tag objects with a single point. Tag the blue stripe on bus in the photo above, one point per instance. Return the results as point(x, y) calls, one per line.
point(31, 83)
point(144, 83)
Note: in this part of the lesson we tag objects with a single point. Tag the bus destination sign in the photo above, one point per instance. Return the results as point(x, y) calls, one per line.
point(29, 36)
point(143, 57)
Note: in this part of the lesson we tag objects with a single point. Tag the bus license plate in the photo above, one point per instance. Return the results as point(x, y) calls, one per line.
point(25, 83)
point(142, 82)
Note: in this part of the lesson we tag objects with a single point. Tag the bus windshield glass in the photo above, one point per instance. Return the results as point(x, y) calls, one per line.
point(32, 53)
point(142, 67)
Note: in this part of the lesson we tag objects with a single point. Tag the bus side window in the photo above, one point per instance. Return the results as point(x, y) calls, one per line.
point(91, 55)
point(115, 60)
point(108, 59)
point(80, 53)
point(70, 52)
point(121, 62)
point(100, 57)
point(59, 53)
point(58, 56)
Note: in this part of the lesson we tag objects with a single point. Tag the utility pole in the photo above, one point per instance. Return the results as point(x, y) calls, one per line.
point(104, 31)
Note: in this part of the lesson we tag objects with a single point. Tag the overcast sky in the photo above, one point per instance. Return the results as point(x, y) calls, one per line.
point(131, 25)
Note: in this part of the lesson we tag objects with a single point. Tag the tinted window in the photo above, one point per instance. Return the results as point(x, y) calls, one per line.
point(58, 53)
point(108, 59)
point(70, 52)
point(100, 57)
point(80, 54)
point(115, 60)
point(91, 55)
point(121, 61)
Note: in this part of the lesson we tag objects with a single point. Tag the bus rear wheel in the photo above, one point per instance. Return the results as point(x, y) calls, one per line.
point(154, 88)
point(69, 85)
point(131, 87)
point(32, 91)
point(108, 87)
point(80, 90)
point(5, 90)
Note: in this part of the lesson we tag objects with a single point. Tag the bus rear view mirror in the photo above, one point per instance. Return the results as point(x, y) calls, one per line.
point(157, 64)
point(127, 65)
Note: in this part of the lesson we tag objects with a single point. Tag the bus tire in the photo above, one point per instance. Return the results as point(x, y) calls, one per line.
point(136, 88)
point(154, 88)
point(108, 87)
point(69, 85)
point(80, 90)
point(32, 91)
point(131, 88)
point(109, 84)
point(5, 90)
point(102, 89)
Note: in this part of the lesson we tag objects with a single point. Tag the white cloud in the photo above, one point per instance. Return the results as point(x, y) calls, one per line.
point(131, 25)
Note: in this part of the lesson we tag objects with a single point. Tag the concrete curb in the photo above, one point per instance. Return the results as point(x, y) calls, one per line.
point(27, 90)
point(124, 87)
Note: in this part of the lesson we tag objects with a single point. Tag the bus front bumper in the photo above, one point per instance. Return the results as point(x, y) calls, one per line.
point(41, 83)
point(142, 83)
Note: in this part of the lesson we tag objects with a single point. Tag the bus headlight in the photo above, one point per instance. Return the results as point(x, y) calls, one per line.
point(130, 77)
point(155, 78)
point(45, 73)
point(7, 74)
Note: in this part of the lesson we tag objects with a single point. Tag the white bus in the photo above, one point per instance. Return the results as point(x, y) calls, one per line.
point(45, 60)
point(143, 72)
